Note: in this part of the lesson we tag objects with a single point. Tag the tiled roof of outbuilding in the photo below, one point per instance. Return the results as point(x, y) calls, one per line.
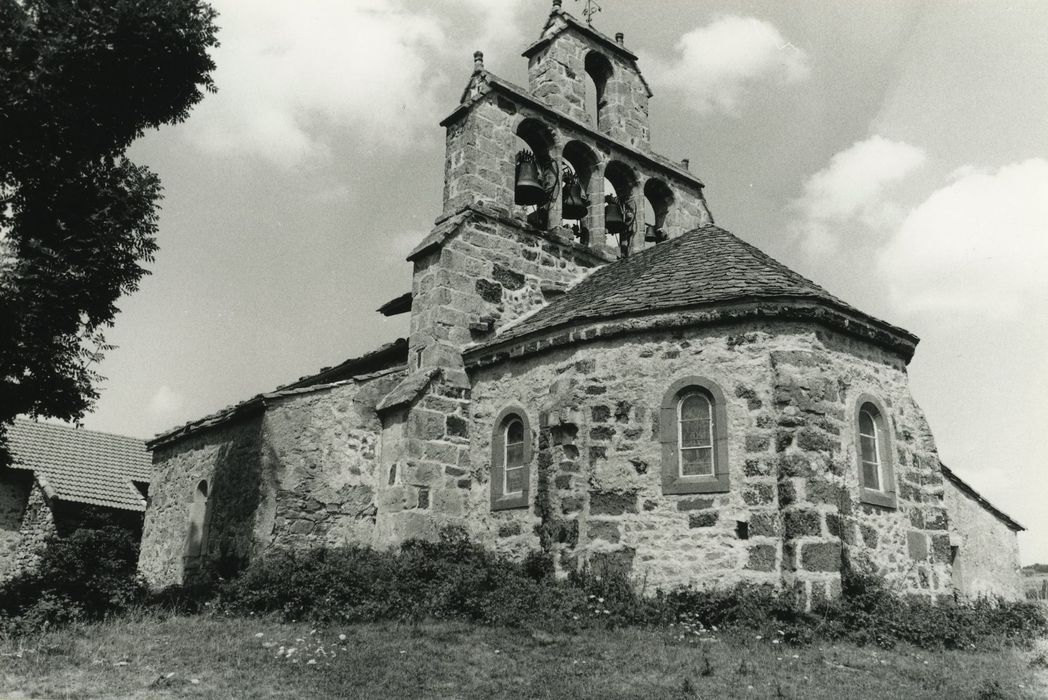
point(83, 466)
point(703, 267)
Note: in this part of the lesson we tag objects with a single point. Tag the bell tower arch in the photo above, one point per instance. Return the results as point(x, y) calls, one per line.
point(526, 215)
point(568, 52)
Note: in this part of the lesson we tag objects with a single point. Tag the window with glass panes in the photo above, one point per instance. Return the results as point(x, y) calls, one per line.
point(870, 448)
point(514, 460)
point(695, 435)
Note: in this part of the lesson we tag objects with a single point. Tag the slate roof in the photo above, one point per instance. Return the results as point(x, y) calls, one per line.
point(390, 357)
point(83, 466)
point(392, 354)
point(409, 389)
point(705, 266)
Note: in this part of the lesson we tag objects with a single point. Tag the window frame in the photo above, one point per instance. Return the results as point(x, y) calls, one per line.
point(669, 432)
point(686, 395)
point(886, 495)
point(500, 500)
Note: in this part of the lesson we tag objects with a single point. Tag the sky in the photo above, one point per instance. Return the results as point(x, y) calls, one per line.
point(894, 151)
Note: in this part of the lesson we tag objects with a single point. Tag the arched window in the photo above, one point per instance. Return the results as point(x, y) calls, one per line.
point(199, 521)
point(513, 457)
point(577, 189)
point(695, 435)
point(510, 460)
point(657, 199)
point(536, 174)
point(599, 70)
point(620, 207)
point(873, 453)
point(693, 429)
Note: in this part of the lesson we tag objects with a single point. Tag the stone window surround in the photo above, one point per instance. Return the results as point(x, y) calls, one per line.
point(600, 70)
point(500, 501)
point(885, 497)
point(672, 482)
point(199, 524)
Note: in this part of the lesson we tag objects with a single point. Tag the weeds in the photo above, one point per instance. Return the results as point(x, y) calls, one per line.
point(457, 579)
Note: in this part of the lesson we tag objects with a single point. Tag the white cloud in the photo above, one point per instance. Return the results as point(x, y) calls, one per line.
point(852, 190)
point(498, 23)
point(296, 77)
point(717, 65)
point(165, 402)
point(980, 243)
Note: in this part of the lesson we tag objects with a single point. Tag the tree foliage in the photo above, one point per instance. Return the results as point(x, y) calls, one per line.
point(79, 81)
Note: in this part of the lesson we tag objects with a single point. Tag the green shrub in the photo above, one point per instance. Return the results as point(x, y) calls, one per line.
point(88, 575)
point(869, 613)
point(454, 578)
point(92, 574)
point(449, 578)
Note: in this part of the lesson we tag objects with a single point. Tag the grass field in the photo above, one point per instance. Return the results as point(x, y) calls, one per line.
point(1036, 582)
point(211, 657)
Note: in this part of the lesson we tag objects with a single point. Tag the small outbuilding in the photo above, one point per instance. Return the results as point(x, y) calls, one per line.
point(62, 479)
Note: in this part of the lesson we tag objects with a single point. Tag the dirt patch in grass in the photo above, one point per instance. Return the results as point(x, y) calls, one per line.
point(152, 656)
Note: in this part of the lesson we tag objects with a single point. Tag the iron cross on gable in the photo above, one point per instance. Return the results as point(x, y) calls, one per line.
point(589, 10)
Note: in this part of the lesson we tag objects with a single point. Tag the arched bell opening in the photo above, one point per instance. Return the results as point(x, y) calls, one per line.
point(536, 175)
point(620, 206)
point(579, 164)
point(658, 199)
point(598, 70)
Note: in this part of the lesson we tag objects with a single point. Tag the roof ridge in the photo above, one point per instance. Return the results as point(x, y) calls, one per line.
point(706, 266)
point(768, 259)
point(71, 428)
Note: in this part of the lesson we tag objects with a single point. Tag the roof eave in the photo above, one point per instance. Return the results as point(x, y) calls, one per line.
point(442, 234)
point(584, 29)
point(583, 329)
point(975, 495)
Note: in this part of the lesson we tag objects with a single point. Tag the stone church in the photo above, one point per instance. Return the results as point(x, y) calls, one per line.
point(597, 370)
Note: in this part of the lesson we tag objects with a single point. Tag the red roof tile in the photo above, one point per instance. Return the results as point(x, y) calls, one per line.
point(82, 465)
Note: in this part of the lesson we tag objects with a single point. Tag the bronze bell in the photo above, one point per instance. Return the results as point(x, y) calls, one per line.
point(528, 189)
point(614, 221)
point(653, 234)
point(575, 203)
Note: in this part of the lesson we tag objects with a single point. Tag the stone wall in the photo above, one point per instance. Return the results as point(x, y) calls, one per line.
point(557, 76)
point(227, 457)
point(491, 271)
point(38, 526)
point(817, 386)
point(792, 510)
point(425, 464)
point(14, 494)
point(482, 142)
point(322, 449)
point(28, 518)
point(300, 473)
point(987, 551)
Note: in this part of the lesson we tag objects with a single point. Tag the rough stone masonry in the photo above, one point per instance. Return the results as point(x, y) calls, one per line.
point(538, 399)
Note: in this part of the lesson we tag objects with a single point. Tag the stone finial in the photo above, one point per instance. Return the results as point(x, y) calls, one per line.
point(478, 61)
point(686, 163)
point(620, 38)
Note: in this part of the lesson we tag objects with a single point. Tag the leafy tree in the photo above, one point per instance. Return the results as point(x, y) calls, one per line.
point(80, 80)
